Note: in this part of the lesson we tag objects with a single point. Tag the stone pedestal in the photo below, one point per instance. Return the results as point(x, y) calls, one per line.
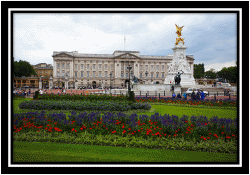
point(76, 85)
point(177, 89)
point(66, 85)
point(50, 83)
point(40, 83)
point(180, 64)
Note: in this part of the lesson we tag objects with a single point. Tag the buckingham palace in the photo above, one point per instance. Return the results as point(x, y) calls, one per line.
point(75, 70)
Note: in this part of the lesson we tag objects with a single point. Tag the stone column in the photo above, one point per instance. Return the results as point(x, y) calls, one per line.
point(76, 85)
point(40, 83)
point(50, 83)
point(66, 83)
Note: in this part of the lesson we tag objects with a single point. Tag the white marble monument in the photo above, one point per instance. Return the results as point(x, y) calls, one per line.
point(179, 63)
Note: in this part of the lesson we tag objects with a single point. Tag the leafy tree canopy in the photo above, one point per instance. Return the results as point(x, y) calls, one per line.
point(23, 68)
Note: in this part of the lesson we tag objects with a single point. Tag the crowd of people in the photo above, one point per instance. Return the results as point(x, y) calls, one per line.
point(194, 96)
point(20, 92)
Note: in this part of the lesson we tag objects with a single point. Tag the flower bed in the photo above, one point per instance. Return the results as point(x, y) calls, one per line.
point(83, 97)
point(206, 102)
point(82, 105)
point(198, 129)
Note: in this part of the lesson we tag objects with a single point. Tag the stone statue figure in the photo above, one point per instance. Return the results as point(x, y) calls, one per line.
point(177, 78)
point(135, 79)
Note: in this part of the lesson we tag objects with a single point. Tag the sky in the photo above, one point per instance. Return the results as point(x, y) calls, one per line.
point(210, 37)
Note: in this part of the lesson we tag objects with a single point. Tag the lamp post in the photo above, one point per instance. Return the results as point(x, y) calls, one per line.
point(146, 73)
point(110, 80)
point(129, 68)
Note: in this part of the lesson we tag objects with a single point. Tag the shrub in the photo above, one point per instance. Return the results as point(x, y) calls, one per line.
point(36, 95)
point(131, 96)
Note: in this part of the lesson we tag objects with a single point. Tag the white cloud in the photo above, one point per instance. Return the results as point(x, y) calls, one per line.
point(219, 66)
point(37, 36)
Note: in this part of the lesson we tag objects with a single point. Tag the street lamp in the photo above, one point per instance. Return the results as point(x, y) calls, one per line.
point(146, 73)
point(110, 80)
point(129, 68)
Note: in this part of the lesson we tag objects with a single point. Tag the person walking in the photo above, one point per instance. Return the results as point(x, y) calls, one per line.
point(202, 95)
point(193, 95)
point(185, 95)
point(173, 95)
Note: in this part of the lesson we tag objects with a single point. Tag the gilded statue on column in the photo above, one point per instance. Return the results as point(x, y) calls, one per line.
point(178, 32)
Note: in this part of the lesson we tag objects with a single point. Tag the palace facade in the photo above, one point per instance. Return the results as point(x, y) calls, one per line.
point(105, 70)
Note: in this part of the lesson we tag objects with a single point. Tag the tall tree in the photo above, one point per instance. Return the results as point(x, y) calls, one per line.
point(199, 71)
point(23, 68)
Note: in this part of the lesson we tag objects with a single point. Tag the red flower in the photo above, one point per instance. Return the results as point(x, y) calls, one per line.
point(72, 129)
point(175, 135)
point(223, 133)
point(208, 137)
point(222, 126)
point(113, 132)
point(201, 137)
point(205, 123)
point(81, 128)
point(55, 123)
point(123, 131)
point(204, 138)
point(75, 130)
point(129, 128)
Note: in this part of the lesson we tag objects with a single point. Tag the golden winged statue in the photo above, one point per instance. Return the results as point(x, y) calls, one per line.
point(178, 32)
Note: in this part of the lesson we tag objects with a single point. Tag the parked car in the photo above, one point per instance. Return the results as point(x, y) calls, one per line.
point(190, 90)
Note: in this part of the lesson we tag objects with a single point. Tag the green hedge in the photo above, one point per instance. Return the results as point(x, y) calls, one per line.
point(83, 97)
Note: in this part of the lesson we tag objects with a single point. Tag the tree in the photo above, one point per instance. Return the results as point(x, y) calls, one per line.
point(229, 73)
point(23, 68)
point(210, 74)
point(199, 71)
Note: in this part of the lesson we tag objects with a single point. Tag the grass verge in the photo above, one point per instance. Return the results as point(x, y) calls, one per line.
point(61, 152)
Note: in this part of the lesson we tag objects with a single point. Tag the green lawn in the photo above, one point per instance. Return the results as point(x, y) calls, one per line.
point(161, 108)
point(56, 152)
point(61, 152)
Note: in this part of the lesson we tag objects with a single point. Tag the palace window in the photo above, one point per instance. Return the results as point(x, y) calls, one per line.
point(152, 67)
point(157, 67)
point(100, 66)
point(67, 74)
point(126, 75)
point(81, 74)
point(62, 65)
point(146, 67)
point(93, 74)
point(75, 74)
point(141, 67)
point(82, 66)
point(151, 75)
point(87, 74)
point(58, 66)
point(162, 67)
point(67, 65)
point(111, 66)
point(122, 75)
point(58, 74)
point(62, 74)
point(75, 66)
point(162, 75)
point(100, 74)
point(140, 74)
point(157, 75)
point(105, 74)
point(106, 66)
point(87, 65)
point(93, 66)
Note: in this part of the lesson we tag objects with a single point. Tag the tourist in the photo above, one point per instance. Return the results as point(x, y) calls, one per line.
point(202, 95)
point(63, 91)
point(29, 92)
point(14, 93)
point(173, 95)
point(179, 95)
point(198, 96)
point(185, 95)
point(193, 95)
